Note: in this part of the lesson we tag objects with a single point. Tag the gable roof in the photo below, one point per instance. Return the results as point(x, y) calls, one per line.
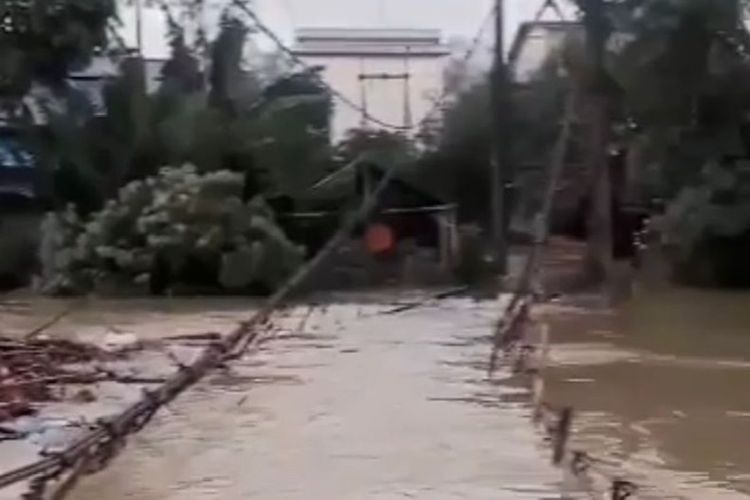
point(342, 182)
point(548, 29)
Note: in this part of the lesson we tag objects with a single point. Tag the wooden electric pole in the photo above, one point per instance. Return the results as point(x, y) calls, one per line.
point(139, 26)
point(599, 258)
point(501, 173)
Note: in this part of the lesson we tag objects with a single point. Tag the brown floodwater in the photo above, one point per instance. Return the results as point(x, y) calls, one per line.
point(354, 404)
point(660, 388)
point(350, 404)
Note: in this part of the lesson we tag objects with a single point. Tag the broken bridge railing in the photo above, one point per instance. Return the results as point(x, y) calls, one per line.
point(528, 357)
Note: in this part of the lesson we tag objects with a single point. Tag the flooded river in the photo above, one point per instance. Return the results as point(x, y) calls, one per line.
point(355, 405)
point(350, 403)
point(660, 387)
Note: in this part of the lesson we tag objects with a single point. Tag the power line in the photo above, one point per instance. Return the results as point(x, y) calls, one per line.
point(266, 30)
point(480, 34)
point(297, 60)
point(468, 55)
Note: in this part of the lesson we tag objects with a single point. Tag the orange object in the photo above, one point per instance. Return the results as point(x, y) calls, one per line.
point(380, 239)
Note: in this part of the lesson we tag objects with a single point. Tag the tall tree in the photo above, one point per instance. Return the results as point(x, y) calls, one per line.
point(685, 72)
point(44, 40)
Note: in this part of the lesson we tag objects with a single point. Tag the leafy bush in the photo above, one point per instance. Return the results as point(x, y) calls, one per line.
point(195, 224)
point(719, 206)
point(707, 228)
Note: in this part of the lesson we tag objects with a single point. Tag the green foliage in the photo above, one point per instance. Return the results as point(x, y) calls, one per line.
point(276, 137)
point(681, 73)
point(718, 206)
point(707, 228)
point(287, 130)
point(85, 158)
point(686, 84)
point(458, 159)
point(244, 140)
point(44, 39)
point(228, 83)
point(539, 109)
point(180, 215)
point(358, 142)
point(458, 162)
point(675, 58)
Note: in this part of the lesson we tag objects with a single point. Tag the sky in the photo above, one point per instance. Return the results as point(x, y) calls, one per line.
point(455, 18)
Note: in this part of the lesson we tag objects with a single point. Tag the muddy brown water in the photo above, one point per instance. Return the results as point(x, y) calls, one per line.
point(356, 405)
point(660, 388)
point(359, 405)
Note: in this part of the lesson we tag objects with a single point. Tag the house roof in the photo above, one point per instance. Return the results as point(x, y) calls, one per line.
point(529, 28)
point(369, 41)
point(429, 36)
point(342, 182)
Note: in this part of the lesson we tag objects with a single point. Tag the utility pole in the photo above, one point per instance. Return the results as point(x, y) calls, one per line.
point(501, 173)
point(599, 258)
point(139, 26)
point(408, 120)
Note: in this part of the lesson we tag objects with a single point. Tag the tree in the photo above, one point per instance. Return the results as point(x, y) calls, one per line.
point(679, 72)
point(177, 227)
point(358, 141)
point(685, 77)
point(276, 136)
point(43, 40)
point(230, 85)
point(459, 163)
point(458, 148)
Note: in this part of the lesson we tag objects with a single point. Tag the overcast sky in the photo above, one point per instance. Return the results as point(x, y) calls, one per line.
point(453, 17)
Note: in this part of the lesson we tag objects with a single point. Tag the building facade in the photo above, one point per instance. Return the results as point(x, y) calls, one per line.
point(395, 74)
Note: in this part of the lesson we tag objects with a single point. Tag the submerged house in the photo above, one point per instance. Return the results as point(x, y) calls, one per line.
point(411, 233)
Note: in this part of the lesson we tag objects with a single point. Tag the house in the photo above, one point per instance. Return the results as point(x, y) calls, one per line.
point(413, 213)
point(420, 225)
point(395, 75)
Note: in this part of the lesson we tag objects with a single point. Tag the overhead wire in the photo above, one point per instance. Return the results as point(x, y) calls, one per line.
point(297, 60)
point(467, 56)
point(266, 30)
